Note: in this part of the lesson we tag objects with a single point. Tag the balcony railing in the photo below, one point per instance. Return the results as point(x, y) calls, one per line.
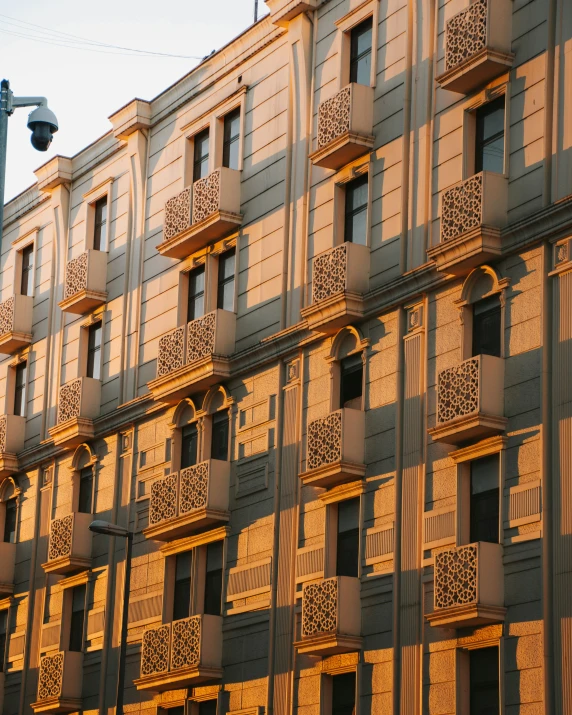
point(7, 568)
point(478, 43)
point(469, 586)
point(188, 500)
point(79, 399)
point(205, 212)
point(69, 546)
point(60, 682)
point(331, 616)
point(184, 652)
point(345, 127)
point(470, 400)
point(15, 323)
point(86, 282)
point(12, 437)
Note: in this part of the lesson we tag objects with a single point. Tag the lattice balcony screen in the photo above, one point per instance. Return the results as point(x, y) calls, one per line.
point(193, 487)
point(76, 275)
point(466, 34)
point(206, 196)
point(456, 576)
point(155, 650)
point(329, 273)
point(69, 402)
point(320, 607)
point(51, 676)
point(325, 440)
point(171, 351)
point(61, 535)
point(462, 208)
point(3, 428)
point(458, 390)
point(7, 315)
point(334, 117)
point(177, 214)
point(185, 642)
point(163, 505)
point(201, 337)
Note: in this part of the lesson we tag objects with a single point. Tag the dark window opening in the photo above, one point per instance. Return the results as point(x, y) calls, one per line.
point(20, 389)
point(196, 302)
point(347, 547)
point(94, 351)
point(213, 579)
point(189, 445)
point(85, 500)
point(225, 289)
point(77, 618)
point(356, 211)
point(231, 141)
point(489, 150)
point(100, 225)
point(3, 634)
point(180, 710)
point(201, 156)
point(344, 694)
point(219, 438)
point(27, 279)
point(360, 52)
point(351, 382)
point(484, 681)
point(10, 513)
point(182, 593)
point(487, 335)
point(485, 499)
point(207, 707)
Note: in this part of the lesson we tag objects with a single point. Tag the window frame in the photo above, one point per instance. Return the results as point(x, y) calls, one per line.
point(345, 26)
point(472, 105)
point(103, 190)
point(16, 369)
point(354, 60)
point(20, 244)
point(361, 180)
point(349, 173)
point(93, 350)
point(463, 672)
point(28, 249)
point(83, 349)
point(331, 501)
point(227, 143)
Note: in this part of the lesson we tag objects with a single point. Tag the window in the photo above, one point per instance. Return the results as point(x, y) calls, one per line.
point(20, 389)
point(351, 379)
point(213, 579)
point(347, 547)
point(484, 681)
point(196, 303)
point(85, 499)
point(356, 211)
point(3, 634)
point(182, 593)
point(207, 707)
point(201, 155)
point(100, 224)
point(189, 445)
point(231, 140)
point(344, 694)
point(219, 438)
point(77, 618)
point(10, 513)
point(489, 149)
point(487, 327)
point(485, 499)
point(27, 277)
point(225, 291)
point(360, 52)
point(94, 351)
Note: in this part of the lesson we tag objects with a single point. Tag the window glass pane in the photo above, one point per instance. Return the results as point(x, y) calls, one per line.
point(489, 148)
point(219, 442)
point(100, 225)
point(484, 681)
point(77, 618)
point(225, 293)
point(487, 327)
point(94, 351)
point(207, 707)
point(20, 389)
point(485, 499)
point(347, 552)
point(360, 52)
point(231, 144)
point(85, 490)
point(201, 155)
point(189, 443)
point(351, 382)
point(182, 594)
point(3, 631)
point(344, 694)
point(27, 282)
point(196, 307)
point(10, 522)
point(356, 211)
point(213, 579)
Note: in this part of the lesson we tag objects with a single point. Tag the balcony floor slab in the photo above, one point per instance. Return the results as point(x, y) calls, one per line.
point(469, 250)
point(12, 341)
point(72, 433)
point(470, 427)
point(476, 71)
point(174, 680)
point(343, 150)
point(197, 236)
point(333, 313)
point(329, 644)
point(8, 464)
point(57, 705)
point(331, 475)
point(472, 614)
point(199, 375)
point(66, 564)
point(186, 525)
point(83, 302)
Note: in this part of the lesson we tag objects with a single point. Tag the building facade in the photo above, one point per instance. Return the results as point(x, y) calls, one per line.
point(303, 323)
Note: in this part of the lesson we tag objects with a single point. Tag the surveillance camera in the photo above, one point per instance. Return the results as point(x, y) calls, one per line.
point(43, 124)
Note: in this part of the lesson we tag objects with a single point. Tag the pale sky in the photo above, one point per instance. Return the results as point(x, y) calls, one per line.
point(84, 87)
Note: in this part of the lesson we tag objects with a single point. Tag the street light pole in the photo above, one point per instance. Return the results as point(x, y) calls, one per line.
point(4, 96)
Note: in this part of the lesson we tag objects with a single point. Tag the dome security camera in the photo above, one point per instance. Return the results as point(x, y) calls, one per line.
point(43, 124)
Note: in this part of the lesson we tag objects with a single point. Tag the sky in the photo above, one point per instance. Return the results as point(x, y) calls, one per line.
point(84, 87)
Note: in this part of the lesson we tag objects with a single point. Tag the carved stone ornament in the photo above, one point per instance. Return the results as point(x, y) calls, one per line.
point(61, 533)
point(329, 273)
point(185, 642)
point(76, 276)
point(69, 403)
point(51, 676)
point(155, 650)
point(456, 577)
point(171, 351)
point(163, 502)
point(193, 487)
point(458, 390)
point(462, 208)
point(177, 214)
point(206, 196)
point(466, 34)
point(3, 427)
point(7, 315)
point(325, 440)
point(334, 117)
point(201, 337)
point(320, 608)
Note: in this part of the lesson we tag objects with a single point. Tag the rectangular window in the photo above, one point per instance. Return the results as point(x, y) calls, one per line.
point(344, 694)
point(347, 547)
point(485, 499)
point(356, 211)
point(20, 389)
point(360, 52)
point(231, 140)
point(207, 707)
point(10, 513)
point(201, 155)
point(77, 618)
point(219, 440)
point(100, 225)
point(351, 381)
point(3, 634)
point(85, 500)
point(182, 594)
point(489, 149)
point(196, 303)
point(189, 445)
point(487, 337)
point(213, 579)
point(484, 681)
point(94, 351)
point(27, 277)
point(225, 290)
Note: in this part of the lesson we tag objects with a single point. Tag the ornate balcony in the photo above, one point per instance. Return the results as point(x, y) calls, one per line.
point(331, 617)
point(69, 547)
point(335, 449)
point(469, 586)
point(477, 45)
point(340, 277)
point(201, 214)
point(470, 400)
point(60, 683)
point(78, 405)
point(345, 127)
point(194, 356)
point(189, 500)
point(12, 435)
point(282, 11)
point(473, 213)
point(16, 323)
point(86, 282)
point(7, 567)
point(176, 655)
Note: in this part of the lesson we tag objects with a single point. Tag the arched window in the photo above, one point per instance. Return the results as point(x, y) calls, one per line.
point(186, 434)
point(347, 363)
point(83, 480)
point(9, 511)
point(217, 407)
